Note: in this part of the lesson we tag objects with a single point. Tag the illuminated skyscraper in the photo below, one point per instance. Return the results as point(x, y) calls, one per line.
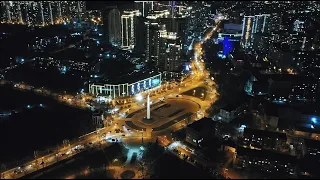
point(247, 30)
point(39, 13)
point(114, 26)
point(152, 40)
point(127, 28)
point(140, 34)
point(261, 23)
point(144, 7)
point(15, 12)
point(47, 13)
point(172, 55)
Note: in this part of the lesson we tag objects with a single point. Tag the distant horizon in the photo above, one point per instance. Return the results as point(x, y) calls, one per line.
point(99, 5)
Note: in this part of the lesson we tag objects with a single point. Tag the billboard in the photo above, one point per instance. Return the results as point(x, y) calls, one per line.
point(145, 84)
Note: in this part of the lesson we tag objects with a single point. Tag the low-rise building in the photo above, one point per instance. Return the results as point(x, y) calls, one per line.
point(260, 139)
point(312, 148)
point(98, 119)
point(232, 111)
point(266, 161)
point(200, 130)
point(293, 88)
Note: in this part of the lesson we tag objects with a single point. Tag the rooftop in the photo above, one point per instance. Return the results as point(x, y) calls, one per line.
point(200, 124)
point(262, 133)
point(306, 127)
point(310, 143)
point(291, 78)
point(235, 105)
point(129, 78)
point(271, 155)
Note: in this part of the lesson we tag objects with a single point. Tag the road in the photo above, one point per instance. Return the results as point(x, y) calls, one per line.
point(97, 138)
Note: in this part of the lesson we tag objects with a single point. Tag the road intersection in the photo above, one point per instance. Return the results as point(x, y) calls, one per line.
point(198, 78)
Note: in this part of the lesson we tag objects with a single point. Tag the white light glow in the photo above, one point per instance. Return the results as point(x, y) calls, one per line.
point(139, 97)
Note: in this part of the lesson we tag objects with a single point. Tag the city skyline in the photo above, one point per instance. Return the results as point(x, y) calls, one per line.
point(135, 89)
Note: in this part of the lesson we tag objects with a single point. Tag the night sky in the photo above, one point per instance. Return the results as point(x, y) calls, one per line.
point(98, 5)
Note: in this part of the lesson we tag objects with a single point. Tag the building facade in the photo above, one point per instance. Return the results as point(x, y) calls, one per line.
point(125, 89)
point(114, 26)
point(144, 7)
point(128, 28)
point(41, 13)
point(98, 119)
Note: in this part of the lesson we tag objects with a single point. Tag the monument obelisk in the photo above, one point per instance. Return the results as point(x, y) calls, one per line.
point(148, 107)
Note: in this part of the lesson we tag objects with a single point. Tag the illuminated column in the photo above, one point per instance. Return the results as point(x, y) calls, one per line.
point(51, 17)
point(148, 107)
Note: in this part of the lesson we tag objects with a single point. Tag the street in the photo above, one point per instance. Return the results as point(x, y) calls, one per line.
point(198, 76)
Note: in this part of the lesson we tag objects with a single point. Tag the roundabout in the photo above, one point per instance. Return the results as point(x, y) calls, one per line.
point(163, 114)
point(128, 174)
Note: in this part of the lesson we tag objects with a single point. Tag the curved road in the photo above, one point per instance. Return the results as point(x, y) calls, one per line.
point(94, 139)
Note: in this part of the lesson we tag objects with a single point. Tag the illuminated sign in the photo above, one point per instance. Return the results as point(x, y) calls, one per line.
point(132, 89)
point(138, 87)
point(144, 85)
point(155, 82)
point(187, 68)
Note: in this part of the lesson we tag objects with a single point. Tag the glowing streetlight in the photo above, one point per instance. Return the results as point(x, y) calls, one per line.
point(139, 97)
point(314, 120)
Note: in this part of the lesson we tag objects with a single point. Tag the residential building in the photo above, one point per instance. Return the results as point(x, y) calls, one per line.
point(261, 139)
point(231, 111)
point(201, 130)
point(98, 119)
point(271, 162)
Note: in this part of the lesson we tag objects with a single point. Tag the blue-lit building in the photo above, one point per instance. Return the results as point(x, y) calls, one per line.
point(127, 85)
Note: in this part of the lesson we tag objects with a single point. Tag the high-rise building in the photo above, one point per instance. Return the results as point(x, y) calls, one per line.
point(252, 25)
point(34, 14)
point(177, 25)
point(164, 40)
point(114, 26)
point(40, 13)
point(15, 12)
point(3, 11)
point(140, 34)
point(144, 7)
point(172, 59)
point(298, 26)
point(153, 26)
point(47, 12)
point(127, 28)
point(275, 22)
point(261, 22)
point(152, 40)
point(247, 30)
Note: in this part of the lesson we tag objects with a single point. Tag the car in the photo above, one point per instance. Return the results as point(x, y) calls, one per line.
point(17, 171)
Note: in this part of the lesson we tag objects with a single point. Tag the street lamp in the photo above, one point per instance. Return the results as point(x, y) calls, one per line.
point(142, 136)
point(139, 97)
